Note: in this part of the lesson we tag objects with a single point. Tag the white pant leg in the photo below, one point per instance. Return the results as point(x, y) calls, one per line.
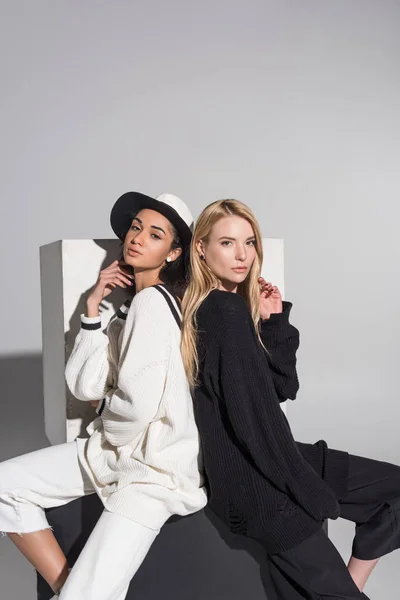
point(113, 553)
point(43, 479)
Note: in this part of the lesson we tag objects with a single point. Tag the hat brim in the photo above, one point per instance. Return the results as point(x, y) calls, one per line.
point(132, 202)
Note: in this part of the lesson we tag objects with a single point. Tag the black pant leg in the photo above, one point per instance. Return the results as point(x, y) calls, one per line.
point(313, 570)
point(372, 502)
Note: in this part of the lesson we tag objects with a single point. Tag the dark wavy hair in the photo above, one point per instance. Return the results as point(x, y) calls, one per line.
point(173, 274)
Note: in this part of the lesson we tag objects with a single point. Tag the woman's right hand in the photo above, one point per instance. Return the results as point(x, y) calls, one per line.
point(113, 276)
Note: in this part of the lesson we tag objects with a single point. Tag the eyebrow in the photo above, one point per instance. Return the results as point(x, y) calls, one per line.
point(152, 226)
point(159, 228)
point(225, 237)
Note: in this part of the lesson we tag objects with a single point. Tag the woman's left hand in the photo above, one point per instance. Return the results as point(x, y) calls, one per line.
point(270, 299)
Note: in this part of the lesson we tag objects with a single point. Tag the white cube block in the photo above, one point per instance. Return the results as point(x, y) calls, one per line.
point(273, 264)
point(69, 269)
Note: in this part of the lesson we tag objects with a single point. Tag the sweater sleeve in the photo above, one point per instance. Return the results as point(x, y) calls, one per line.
point(281, 341)
point(88, 370)
point(143, 368)
point(256, 417)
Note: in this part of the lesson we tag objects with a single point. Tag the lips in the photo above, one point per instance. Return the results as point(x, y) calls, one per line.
point(239, 269)
point(133, 252)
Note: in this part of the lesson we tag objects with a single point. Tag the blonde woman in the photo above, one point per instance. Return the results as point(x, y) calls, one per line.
point(239, 352)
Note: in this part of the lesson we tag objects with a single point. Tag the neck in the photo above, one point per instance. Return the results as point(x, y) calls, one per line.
point(144, 279)
point(228, 286)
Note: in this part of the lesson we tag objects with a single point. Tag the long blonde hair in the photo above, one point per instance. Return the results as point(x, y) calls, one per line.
point(203, 280)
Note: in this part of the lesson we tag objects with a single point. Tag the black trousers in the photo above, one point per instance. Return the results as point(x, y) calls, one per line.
point(314, 570)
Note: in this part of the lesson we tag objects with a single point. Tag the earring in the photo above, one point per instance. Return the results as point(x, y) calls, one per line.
point(168, 259)
point(201, 256)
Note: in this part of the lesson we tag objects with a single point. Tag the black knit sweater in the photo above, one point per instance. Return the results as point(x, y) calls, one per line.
point(260, 481)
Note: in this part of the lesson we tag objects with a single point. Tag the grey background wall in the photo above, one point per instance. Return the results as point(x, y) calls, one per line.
point(292, 107)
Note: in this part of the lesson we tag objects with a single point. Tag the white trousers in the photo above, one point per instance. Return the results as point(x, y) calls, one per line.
point(53, 477)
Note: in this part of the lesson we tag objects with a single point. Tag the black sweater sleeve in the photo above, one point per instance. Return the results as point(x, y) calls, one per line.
point(281, 341)
point(254, 411)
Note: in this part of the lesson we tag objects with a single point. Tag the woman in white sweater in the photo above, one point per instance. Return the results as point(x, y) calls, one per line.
point(142, 454)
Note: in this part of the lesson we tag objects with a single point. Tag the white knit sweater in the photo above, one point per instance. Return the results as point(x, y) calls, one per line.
point(143, 454)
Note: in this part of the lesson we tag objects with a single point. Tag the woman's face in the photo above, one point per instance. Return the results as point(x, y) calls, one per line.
point(148, 242)
point(230, 251)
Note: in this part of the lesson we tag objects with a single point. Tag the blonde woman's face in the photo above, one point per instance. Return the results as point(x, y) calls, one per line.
point(230, 251)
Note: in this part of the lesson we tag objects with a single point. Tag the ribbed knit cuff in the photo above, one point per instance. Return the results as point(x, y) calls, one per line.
point(332, 465)
point(122, 312)
point(277, 327)
point(90, 323)
point(279, 319)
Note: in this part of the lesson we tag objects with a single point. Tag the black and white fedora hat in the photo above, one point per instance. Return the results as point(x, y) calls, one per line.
point(172, 207)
